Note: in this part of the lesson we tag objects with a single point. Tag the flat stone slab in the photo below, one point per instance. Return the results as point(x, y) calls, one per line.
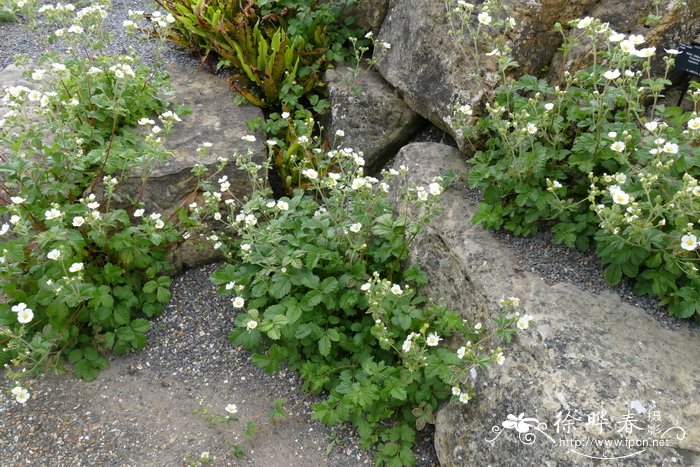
point(588, 357)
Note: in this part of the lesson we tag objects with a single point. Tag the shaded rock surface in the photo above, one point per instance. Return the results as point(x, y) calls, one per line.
point(368, 14)
point(585, 354)
point(373, 117)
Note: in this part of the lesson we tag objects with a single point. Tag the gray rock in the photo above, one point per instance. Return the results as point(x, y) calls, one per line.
point(434, 71)
point(585, 353)
point(214, 119)
point(374, 118)
point(368, 14)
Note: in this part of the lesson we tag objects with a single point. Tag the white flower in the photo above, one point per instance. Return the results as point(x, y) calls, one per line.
point(432, 340)
point(500, 358)
point(245, 247)
point(365, 287)
point(646, 53)
point(511, 21)
point(531, 128)
point(627, 46)
point(14, 219)
point(270, 204)
point(651, 126)
point(396, 289)
point(461, 352)
point(249, 138)
point(52, 214)
point(238, 302)
point(616, 37)
point(252, 324)
point(548, 106)
point(93, 205)
point(618, 146)
point(472, 372)
point(484, 18)
point(386, 45)
point(17, 200)
point(524, 322)
point(465, 109)
point(22, 396)
point(339, 133)
point(612, 74)
point(464, 398)
point(4, 229)
point(311, 174)
point(456, 391)
point(146, 121)
point(54, 254)
point(694, 123)
point(407, 344)
point(303, 139)
point(159, 224)
point(435, 189)
point(584, 23)
point(620, 197)
point(689, 242)
point(620, 178)
point(672, 51)
point(204, 456)
point(154, 216)
point(17, 389)
point(25, 316)
point(75, 29)
point(285, 115)
point(232, 408)
point(75, 267)
point(37, 75)
point(19, 307)
point(369, 35)
point(282, 205)
point(670, 148)
point(636, 40)
point(356, 227)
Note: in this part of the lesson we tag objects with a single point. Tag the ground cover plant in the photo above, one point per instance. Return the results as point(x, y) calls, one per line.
point(600, 161)
point(80, 276)
point(320, 282)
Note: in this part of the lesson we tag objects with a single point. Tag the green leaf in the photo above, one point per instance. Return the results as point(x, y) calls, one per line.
point(140, 325)
point(613, 274)
point(324, 345)
point(125, 334)
point(150, 286)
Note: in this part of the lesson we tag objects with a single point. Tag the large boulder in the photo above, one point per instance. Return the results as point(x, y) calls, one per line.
point(373, 117)
point(434, 70)
point(586, 354)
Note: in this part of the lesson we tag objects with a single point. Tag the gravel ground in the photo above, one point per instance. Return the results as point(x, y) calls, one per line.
point(158, 406)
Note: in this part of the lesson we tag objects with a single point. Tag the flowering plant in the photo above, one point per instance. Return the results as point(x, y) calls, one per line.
point(598, 157)
point(79, 276)
point(320, 284)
